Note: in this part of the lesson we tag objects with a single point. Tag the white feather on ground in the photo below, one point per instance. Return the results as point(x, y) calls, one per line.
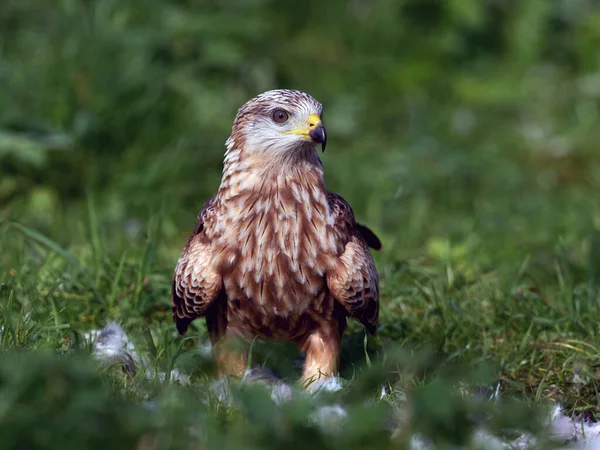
point(111, 345)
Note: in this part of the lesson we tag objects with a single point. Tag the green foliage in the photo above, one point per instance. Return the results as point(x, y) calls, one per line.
point(49, 402)
point(71, 402)
point(463, 132)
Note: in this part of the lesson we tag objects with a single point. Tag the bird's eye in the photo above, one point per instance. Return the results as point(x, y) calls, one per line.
point(280, 116)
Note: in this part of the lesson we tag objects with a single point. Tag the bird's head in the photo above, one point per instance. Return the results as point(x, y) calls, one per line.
point(281, 122)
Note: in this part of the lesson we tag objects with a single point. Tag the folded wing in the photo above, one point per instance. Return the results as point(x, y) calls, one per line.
point(196, 282)
point(353, 280)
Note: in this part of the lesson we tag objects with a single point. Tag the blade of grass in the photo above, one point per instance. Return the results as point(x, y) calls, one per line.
point(54, 247)
point(115, 285)
point(97, 248)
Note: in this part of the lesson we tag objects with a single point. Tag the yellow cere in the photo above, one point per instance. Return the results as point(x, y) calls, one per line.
point(313, 121)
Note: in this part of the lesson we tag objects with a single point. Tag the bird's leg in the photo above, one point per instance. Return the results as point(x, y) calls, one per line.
point(231, 356)
point(229, 353)
point(322, 350)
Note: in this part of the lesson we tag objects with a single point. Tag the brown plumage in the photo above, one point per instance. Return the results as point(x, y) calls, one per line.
point(274, 255)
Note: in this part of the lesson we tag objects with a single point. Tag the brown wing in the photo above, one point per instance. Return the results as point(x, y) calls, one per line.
point(353, 280)
point(196, 283)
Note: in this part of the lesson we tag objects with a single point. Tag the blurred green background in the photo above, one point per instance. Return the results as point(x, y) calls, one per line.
point(464, 132)
point(481, 113)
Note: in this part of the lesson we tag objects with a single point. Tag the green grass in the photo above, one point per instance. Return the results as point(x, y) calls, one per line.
point(463, 133)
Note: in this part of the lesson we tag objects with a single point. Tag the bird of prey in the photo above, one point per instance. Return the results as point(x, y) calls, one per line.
point(274, 254)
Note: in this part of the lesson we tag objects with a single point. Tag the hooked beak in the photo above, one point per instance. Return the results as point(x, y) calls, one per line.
point(317, 131)
point(318, 135)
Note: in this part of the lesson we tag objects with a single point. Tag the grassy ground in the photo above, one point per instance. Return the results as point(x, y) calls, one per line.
point(464, 135)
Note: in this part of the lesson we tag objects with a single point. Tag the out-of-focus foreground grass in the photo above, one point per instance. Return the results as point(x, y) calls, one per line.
point(463, 132)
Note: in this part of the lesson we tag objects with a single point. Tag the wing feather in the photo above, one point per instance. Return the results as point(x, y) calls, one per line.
point(196, 282)
point(370, 238)
point(353, 280)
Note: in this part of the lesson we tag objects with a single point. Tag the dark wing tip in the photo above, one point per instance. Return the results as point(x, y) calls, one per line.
point(370, 237)
point(182, 325)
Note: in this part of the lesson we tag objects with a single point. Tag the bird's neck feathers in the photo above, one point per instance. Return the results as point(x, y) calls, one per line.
point(255, 172)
